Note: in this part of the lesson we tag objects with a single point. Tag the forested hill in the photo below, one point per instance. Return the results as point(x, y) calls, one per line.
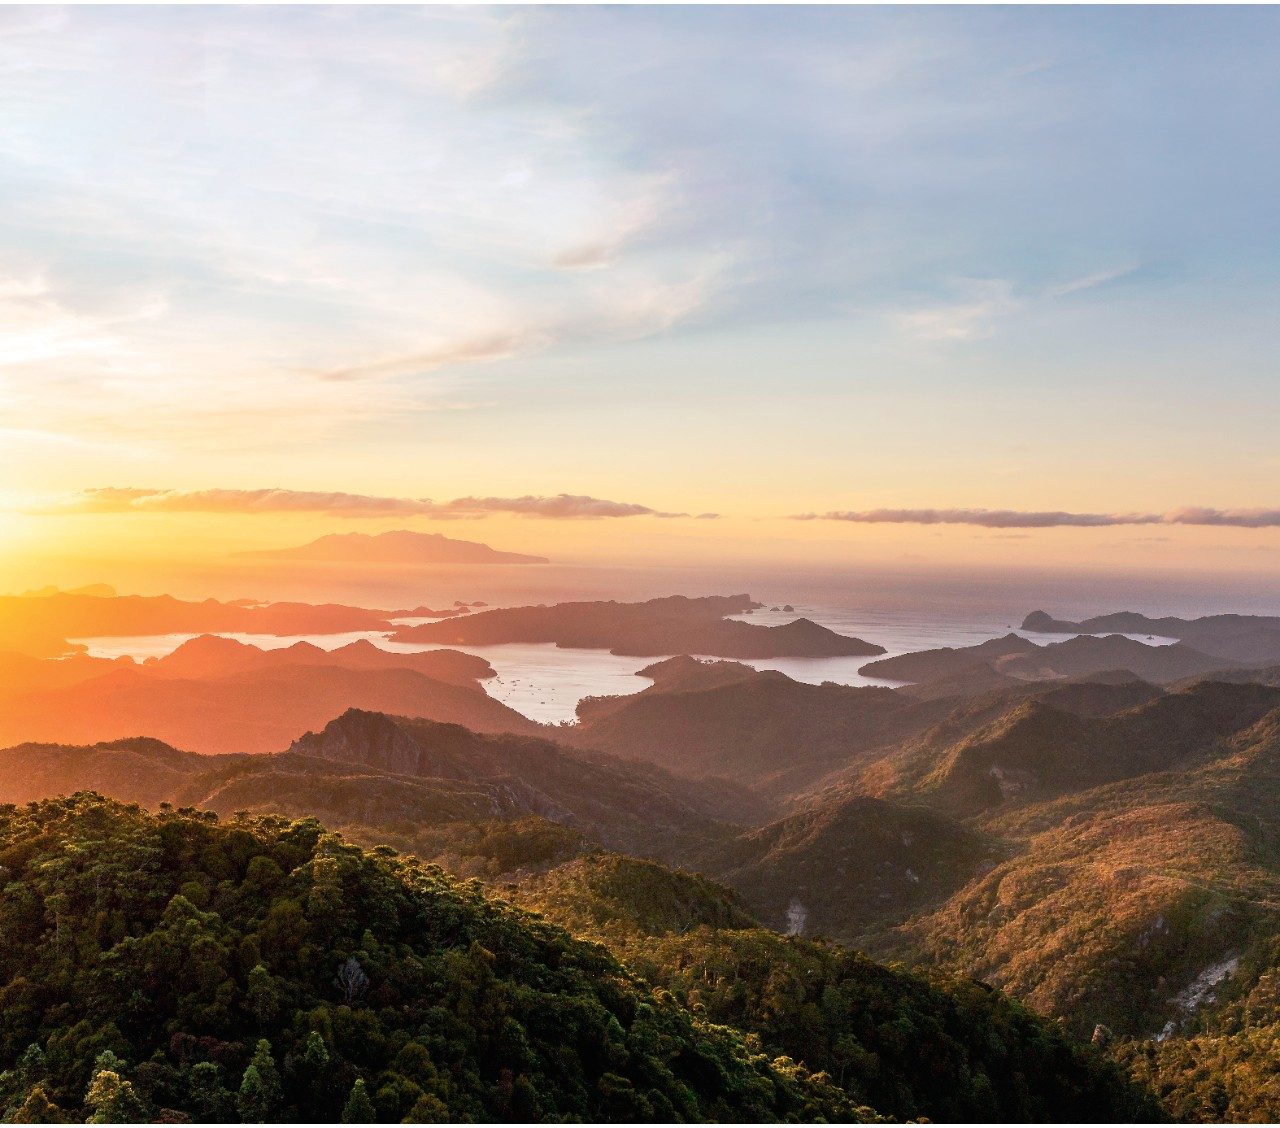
point(174, 967)
point(912, 1046)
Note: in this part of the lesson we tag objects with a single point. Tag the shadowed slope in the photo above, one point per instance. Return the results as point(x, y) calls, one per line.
point(371, 770)
point(1035, 751)
point(777, 735)
point(1013, 657)
point(630, 806)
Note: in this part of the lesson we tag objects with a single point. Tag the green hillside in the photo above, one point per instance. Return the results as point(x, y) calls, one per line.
point(177, 966)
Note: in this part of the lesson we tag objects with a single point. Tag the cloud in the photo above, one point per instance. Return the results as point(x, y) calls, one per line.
point(37, 326)
point(468, 350)
point(969, 317)
point(390, 211)
point(1050, 519)
point(559, 506)
point(1092, 281)
point(114, 499)
point(621, 223)
point(1231, 518)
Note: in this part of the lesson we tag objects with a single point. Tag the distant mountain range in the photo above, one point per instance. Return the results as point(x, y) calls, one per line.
point(39, 625)
point(1248, 639)
point(218, 695)
point(377, 770)
point(1004, 661)
point(398, 547)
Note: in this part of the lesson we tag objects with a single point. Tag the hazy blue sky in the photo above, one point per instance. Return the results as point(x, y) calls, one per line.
point(750, 260)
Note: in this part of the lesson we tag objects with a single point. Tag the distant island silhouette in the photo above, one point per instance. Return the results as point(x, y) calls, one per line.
point(401, 546)
point(673, 625)
point(1251, 639)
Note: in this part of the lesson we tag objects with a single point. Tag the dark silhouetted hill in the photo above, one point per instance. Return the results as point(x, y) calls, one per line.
point(992, 664)
point(673, 625)
point(627, 806)
point(372, 772)
point(1246, 639)
point(763, 729)
point(210, 656)
point(40, 625)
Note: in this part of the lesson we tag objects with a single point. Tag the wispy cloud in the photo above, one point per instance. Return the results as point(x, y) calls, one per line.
point(502, 229)
point(619, 226)
point(1049, 519)
point(976, 307)
point(468, 350)
point(114, 499)
point(38, 326)
point(358, 215)
point(970, 316)
point(1093, 281)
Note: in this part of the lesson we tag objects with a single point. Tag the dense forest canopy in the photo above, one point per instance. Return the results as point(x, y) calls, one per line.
point(178, 967)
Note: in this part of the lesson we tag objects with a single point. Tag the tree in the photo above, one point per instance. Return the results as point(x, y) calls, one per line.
point(314, 1087)
point(262, 996)
point(359, 1108)
point(210, 1101)
point(316, 1054)
point(428, 1109)
point(260, 1086)
point(352, 981)
point(38, 1109)
point(112, 1100)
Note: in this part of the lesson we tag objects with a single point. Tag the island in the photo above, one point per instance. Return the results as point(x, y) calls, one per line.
point(675, 624)
point(401, 547)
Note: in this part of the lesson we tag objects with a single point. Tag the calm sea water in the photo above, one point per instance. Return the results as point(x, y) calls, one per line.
point(901, 612)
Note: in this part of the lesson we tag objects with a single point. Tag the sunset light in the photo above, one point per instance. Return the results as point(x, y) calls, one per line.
point(639, 563)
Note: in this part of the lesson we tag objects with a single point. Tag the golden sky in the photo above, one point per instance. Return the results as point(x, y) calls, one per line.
point(1007, 260)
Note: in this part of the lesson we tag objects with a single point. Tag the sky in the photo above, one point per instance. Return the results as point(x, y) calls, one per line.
point(575, 279)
